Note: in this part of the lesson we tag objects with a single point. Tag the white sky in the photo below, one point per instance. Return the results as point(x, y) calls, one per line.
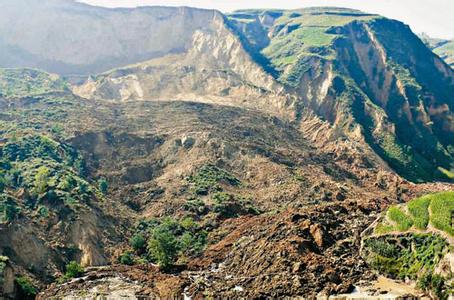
point(435, 17)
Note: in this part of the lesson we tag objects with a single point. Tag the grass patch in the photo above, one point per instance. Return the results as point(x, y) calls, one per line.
point(442, 209)
point(418, 209)
point(402, 220)
point(384, 228)
point(436, 209)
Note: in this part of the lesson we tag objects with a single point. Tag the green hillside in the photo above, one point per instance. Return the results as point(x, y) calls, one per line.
point(367, 64)
point(28, 82)
point(435, 210)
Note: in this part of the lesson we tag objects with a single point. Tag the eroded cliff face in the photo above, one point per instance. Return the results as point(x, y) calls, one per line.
point(397, 102)
point(370, 78)
point(338, 68)
point(106, 38)
point(215, 69)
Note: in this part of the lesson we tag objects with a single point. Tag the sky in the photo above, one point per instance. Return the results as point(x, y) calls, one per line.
point(434, 17)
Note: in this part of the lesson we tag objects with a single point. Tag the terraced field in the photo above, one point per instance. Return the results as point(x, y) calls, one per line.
point(434, 211)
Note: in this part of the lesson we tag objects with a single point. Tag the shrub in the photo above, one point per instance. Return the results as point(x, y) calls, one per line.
point(8, 209)
point(127, 258)
point(3, 262)
point(435, 283)
point(73, 269)
point(43, 211)
point(172, 239)
point(208, 177)
point(229, 206)
point(193, 244)
point(225, 205)
point(26, 286)
point(2, 183)
point(103, 186)
point(67, 183)
point(138, 243)
point(409, 255)
point(41, 182)
point(196, 206)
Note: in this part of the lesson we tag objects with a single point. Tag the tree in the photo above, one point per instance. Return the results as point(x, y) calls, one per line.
point(2, 183)
point(103, 186)
point(67, 183)
point(41, 182)
point(163, 246)
point(138, 243)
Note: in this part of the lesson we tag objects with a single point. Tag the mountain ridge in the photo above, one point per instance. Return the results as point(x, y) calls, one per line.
point(329, 49)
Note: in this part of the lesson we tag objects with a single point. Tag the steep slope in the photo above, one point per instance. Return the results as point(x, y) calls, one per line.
point(88, 39)
point(356, 69)
point(47, 201)
point(214, 69)
point(368, 78)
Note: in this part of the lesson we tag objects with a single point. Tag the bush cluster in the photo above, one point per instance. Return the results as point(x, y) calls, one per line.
point(165, 241)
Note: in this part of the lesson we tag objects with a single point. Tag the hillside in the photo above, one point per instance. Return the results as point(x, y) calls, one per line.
point(443, 48)
point(88, 39)
point(257, 154)
point(446, 51)
point(342, 66)
point(217, 165)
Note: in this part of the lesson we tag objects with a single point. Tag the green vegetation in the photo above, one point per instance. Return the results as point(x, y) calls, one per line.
point(447, 173)
point(296, 37)
point(171, 240)
point(52, 174)
point(402, 220)
point(26, 287)
point(402, 158)
point(435, 209)
point(163, 246)
point(28, 82)
point(3, 261)
point(73, 270)
point(442, 211)
point(208, 178)
point(103, 186)
point(196, 206)
point(435, 283)
point(138, 243)
point(406, 256)
point(230, 206)
point(127, 258)
point(165, 242)
point(8, 209)
point(418, 209)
